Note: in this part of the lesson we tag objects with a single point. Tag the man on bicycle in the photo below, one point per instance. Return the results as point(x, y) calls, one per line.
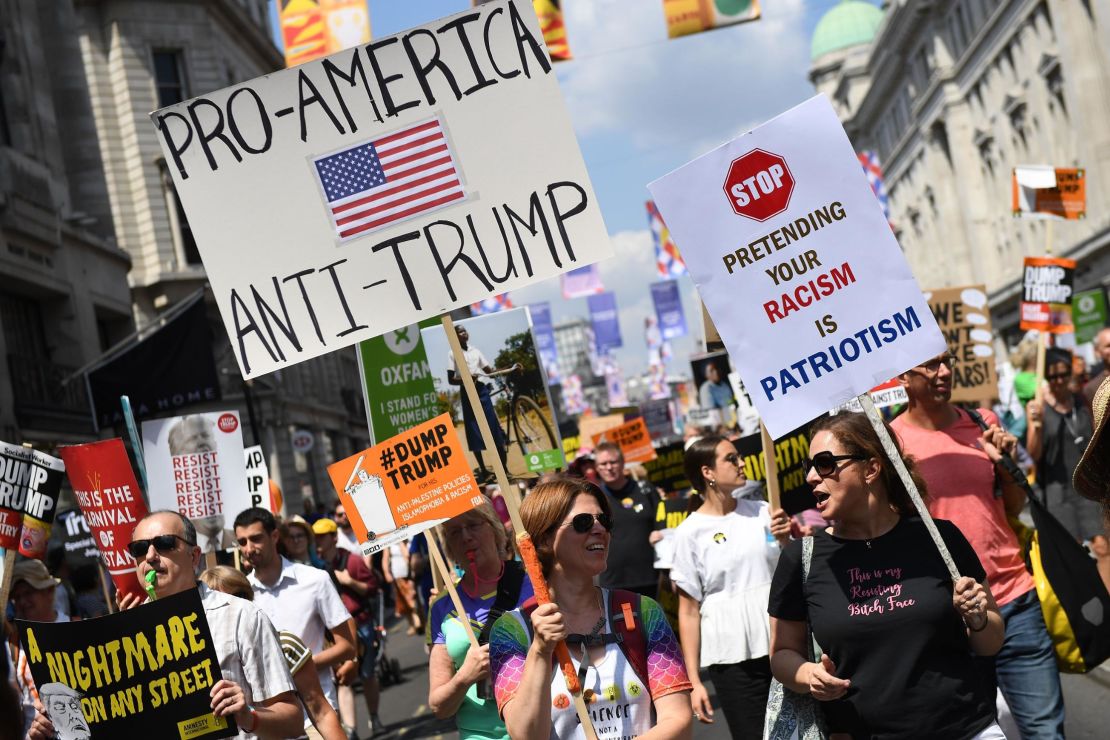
point(479, 367)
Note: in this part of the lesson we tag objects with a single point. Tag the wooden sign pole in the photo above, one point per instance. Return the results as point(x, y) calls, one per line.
point(893, 455)
point(511, 494)
point(774, 490)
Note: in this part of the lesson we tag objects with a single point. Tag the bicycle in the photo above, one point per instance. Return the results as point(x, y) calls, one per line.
point(529, 428)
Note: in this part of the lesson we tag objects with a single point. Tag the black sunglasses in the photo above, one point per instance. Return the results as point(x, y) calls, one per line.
point(1058, 376)
point(583, 523)
point(825, 463)
point(163, 543)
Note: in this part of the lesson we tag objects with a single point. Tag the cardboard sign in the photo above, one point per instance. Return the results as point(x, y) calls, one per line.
point(1040, 191)
point(667, 471)
point(15, 471)
point(195, 466)
point(965, 320)
point(111, 503)
point(1046, 294)
point(1089, 314)
point(258, 478)
point(590, 427)
point(144, 672)
point(791, 253)
point(399, 387)
point(633, 439)
point(407, 484)
point(418, 173)
point(791, 452)
point(41, 505)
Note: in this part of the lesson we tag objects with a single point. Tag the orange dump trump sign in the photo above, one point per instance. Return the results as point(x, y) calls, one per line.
point(409, 483)
point(632, 437)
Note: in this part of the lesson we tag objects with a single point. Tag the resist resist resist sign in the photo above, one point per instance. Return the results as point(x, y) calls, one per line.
point(393, 181)
point(795, 261)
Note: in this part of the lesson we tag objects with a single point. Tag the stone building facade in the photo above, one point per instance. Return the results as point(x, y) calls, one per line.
point(952, 94)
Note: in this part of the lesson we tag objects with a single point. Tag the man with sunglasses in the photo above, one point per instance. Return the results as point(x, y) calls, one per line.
point(257, 692)
point(967, 486)
point(631, 556)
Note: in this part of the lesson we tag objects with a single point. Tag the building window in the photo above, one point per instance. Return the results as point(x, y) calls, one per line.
point(179, 222)
point(169, 77)
point(24, 327)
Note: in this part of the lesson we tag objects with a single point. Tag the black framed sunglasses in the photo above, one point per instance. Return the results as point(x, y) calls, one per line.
point(733, 458)
point(825, 463)
point(583, 523)
point(163, 543)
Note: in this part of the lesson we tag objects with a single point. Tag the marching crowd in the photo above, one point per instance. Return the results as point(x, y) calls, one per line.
point(845, 622)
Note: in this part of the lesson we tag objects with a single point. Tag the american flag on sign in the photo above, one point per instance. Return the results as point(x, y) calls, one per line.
point(668, 261)
point(492, 305)
point(870, 162)
point(390, 179)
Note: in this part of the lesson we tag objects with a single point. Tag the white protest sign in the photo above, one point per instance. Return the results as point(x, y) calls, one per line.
point(195, 466)
point(393, 181)
point(258, 477)
point(797, 265)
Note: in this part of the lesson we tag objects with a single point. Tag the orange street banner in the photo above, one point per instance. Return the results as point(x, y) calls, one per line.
point(409, 483)
point(1042, 192)
point(311, 29)
point(1046, 294)
point(632, 437)
point(685, 17)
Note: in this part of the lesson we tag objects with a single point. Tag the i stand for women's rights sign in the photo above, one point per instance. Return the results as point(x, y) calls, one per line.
point(359, 193)
point(406, 484)
point(797, 265)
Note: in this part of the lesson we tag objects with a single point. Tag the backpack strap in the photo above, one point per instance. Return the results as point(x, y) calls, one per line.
point(508, 593)
point(625, 623)
point(1007, 461)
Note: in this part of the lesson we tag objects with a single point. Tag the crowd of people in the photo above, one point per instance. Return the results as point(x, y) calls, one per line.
point(852, 604)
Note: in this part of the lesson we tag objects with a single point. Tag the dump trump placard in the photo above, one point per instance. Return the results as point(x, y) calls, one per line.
point(386, 183)
point(1046, 293)
point(795, 261)
point(406, 484)
point(633, 439)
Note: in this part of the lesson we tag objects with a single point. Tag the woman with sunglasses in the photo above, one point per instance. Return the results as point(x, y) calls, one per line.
point(897, 635)
point(724, 556)
point(630, 693)
point(1060, 426)
point(458, 676)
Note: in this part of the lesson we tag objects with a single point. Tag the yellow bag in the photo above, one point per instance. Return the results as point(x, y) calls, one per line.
point(1069, 658)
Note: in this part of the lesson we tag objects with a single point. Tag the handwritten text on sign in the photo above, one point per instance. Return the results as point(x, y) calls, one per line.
point(797, 265)
point(420, 172)
point(406, 484)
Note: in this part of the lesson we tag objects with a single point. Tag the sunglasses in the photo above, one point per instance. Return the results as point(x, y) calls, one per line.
point(733, 458)
point(163, 543)
point(583, 523)
point(1058, 376)
point(825, 463)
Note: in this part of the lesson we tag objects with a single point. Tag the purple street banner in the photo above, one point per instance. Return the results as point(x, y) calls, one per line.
point(668, 309)
point(582, 282)
point(143, 672)
point(544, 333)
point(605, 321)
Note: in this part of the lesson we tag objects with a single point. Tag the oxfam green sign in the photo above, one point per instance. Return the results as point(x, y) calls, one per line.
point(1088, 314)
point(399, 390)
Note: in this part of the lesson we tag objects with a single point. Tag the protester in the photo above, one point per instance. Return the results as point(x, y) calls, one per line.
point(359, 588)
point(458, 676)
point(725, 553)
point(32, 597)
point(298, 542)
point(256, 688)
point(715, 391)
point(227, 580)
point(570, 521)
point(959, 462)
point(345, 533)
point(1060, 426)
point(477, 363)
point(396, 566)
point(895, 632)
point(421, 569)
point(11, 713)
point(1092, 474)
point(1102, 369)
point(633, 505)
point(297, 598)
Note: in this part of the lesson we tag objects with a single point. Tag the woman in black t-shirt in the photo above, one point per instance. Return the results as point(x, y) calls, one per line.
point(896, 633)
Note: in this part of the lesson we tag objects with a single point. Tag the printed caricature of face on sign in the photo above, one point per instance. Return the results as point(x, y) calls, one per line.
point(63, 706)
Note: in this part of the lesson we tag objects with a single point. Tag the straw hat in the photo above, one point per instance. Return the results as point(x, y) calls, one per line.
point(1092, 474)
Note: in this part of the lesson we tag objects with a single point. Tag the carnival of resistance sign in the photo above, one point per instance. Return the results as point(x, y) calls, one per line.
point(144, 672)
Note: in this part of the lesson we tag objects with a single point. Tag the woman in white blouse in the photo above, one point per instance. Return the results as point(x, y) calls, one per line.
point(725, 556)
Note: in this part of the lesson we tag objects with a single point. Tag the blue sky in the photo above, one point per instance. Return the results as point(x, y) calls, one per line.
point(643, 105)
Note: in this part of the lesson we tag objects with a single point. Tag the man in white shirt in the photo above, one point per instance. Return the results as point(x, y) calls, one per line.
point(478, 365)
point(298, 598)
point(345, 534)
point(255, 688)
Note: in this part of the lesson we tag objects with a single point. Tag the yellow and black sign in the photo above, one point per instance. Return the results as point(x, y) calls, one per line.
point(145, 672)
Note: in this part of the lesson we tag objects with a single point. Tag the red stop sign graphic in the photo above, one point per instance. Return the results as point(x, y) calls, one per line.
point(758, 185)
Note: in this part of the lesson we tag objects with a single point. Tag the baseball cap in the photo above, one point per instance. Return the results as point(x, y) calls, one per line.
point(324, 526)
point(35, 573)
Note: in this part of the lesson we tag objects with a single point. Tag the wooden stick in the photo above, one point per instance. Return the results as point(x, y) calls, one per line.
point(237, 556)
point(103, 571)
point(449, 582)
point(437, 577)
point(6, 585)
point(774, 490)
point(210, 559)
point(895, 457)
point(1042, 350)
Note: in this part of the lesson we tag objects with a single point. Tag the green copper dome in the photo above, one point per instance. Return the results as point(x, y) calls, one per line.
point(850, 23)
